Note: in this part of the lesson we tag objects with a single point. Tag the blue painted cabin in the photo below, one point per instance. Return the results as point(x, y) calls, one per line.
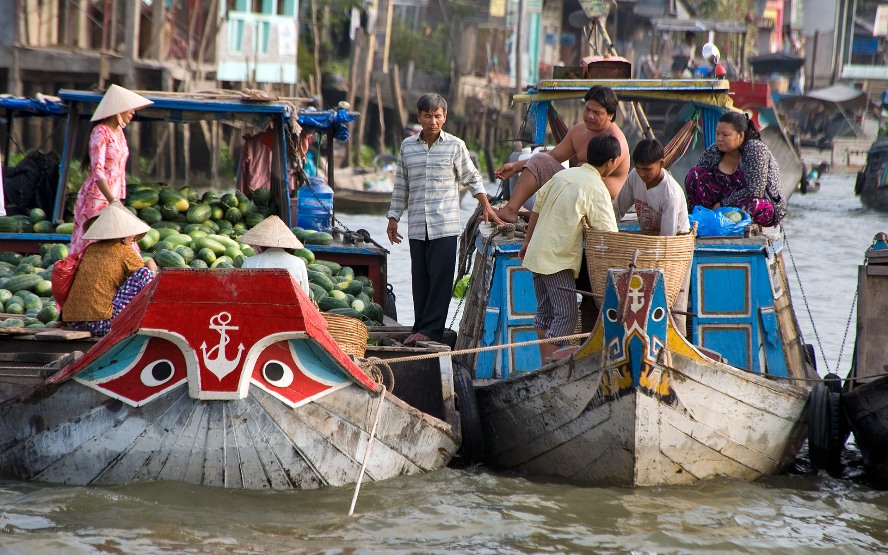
point(738, 296)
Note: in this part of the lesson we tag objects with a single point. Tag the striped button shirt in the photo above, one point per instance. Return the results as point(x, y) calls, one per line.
point(427, 184)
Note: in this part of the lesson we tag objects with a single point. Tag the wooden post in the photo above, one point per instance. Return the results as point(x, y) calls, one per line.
point(356, 49)
point(398, 101)
point(381, 148)
point(390, 4)
point(365, 97)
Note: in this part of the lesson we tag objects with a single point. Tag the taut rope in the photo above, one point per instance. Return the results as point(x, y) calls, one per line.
point(371, 362)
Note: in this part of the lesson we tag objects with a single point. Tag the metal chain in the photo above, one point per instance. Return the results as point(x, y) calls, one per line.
point(805, 299)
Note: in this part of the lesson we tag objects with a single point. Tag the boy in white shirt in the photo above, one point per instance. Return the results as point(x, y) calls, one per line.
point(658, 198)
point(660, 204)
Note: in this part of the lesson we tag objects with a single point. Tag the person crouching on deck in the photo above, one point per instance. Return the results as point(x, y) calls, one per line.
point(271, 236)
point(553, 245)
point(110, 274)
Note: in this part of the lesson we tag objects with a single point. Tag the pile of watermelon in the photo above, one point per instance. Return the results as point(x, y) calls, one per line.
point(34, 222)
point(188, 230)
point(25, 289)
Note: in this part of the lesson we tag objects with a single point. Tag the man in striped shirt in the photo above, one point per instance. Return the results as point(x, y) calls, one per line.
point(431, 167)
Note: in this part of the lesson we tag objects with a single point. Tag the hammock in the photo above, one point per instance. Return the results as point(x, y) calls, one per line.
point(683, 140)
point(556, 124)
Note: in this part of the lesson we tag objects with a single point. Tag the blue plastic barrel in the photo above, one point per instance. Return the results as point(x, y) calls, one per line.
point(315, 205)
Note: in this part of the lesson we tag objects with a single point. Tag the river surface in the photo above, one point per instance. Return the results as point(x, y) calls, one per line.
point(476, 511)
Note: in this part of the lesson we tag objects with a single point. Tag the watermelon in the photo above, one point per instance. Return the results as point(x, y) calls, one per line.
point(229, 200)
point(66, 228)
point(150, 215)
point(172, 197)
point(198, 264)
point(199, 213)
point(307, 255)
point(48, 314)
point(8, 224)
point(318, 238)
point(262, 196)
point(207, 255)
point(186, 253)
point(252, 219)
point(143, 199)
point(169, 259)
point(43, 226)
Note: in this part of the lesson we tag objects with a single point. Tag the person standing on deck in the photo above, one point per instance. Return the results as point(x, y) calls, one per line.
point(599, 113)
point(553, 246)
point(431, 167)
point(107, 155)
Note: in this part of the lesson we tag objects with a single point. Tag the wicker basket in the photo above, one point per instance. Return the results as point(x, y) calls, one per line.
point(606, 250)
point(349, 333)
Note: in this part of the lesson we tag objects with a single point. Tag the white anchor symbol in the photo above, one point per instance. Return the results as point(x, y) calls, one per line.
point(220, 366)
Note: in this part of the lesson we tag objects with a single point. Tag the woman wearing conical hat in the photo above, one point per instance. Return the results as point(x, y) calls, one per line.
point(110, 274)
point(272, 236)
point(108, 152)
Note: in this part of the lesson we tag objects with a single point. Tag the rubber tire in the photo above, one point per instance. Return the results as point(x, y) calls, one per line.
point(825, 443)
point(471, 450)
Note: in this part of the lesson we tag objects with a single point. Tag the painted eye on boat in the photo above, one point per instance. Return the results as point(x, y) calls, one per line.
point(612, 314)
point(157, 373)
point(277, 373)
point(659, 313)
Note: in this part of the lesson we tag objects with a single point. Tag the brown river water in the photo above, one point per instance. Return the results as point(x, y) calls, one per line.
point(477, 511)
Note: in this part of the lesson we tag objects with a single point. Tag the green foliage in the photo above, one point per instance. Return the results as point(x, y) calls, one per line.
point(304, 61)
point(429, 50)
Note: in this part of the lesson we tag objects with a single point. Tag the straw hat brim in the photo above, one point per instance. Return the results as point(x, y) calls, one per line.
point(118, 100)
point(115, 222)
point(271, 232)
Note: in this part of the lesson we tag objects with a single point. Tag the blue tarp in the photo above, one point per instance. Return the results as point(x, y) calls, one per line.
point(324, 119)
point(40, 107)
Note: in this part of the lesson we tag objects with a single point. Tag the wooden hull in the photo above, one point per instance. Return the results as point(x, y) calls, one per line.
point(285, 409)
point(714, 421)
point(638, 405)
point(866, 407)
point(78, 436)
point(864, 399)
point(871, 186)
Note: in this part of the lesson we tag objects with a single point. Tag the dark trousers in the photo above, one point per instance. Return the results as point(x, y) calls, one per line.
point(432, 263)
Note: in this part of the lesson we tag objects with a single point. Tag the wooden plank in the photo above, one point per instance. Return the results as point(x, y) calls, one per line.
point(66, 335)
point(17, 331)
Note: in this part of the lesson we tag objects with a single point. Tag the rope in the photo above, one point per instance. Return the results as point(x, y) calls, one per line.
point(426, 356)
point(374, 366)
point(805, 299)
point(351, 509)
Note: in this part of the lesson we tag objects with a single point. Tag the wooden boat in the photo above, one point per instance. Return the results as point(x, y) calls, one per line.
point(638, 404)
point(167, 396)
point(872, 181)
point(363, 190)
point(864, 397)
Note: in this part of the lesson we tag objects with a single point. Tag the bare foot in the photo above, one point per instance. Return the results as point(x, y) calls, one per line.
point(507, 214)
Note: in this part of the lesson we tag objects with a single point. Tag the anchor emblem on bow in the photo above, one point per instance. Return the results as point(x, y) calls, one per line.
point(214, 358)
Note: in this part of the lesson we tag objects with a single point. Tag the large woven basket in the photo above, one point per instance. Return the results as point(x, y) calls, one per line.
point(349, 333)
point(606, 250)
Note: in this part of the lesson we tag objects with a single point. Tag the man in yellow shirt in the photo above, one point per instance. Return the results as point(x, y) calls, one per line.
point(553, 246)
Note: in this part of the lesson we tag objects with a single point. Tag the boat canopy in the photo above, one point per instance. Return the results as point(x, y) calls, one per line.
point(829, 111)
point(40, 106)
point(709, 96)
point(192, 108)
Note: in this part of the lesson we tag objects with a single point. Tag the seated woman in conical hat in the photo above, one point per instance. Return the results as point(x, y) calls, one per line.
point(272, 236)
point(110, 274)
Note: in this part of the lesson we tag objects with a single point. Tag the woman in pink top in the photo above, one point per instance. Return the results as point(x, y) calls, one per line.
point(108, 153)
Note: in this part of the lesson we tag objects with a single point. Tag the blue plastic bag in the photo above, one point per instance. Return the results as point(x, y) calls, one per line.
point(715, 222)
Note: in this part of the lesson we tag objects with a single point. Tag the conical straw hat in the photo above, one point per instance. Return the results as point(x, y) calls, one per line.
point(115, 222)
point(271, 232)
point(117, 100)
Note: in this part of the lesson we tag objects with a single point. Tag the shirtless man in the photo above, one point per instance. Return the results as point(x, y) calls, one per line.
point(599, 113)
